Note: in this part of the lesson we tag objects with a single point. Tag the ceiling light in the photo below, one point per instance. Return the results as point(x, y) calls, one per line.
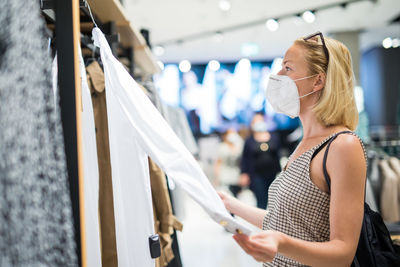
point(245, 62)
point(158, 50)
point(250, 49)
point(214, 65)
point(308, 16)
point(161, 65)
point(272, 25)
point(387, 42)
point(218, 37)
point(224, 5)
point(395, 43)
point(185, 66)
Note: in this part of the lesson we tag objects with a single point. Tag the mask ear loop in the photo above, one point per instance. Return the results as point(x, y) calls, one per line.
point(309, 92)
point(305, 77)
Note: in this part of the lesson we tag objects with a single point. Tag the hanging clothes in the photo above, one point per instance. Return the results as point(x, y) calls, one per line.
point(165, 221)
point(176, 118)
point(395, 165)
point(105, 198)
point(137, 129)
point(36, 226)
point(91, 173)
point(390, 205)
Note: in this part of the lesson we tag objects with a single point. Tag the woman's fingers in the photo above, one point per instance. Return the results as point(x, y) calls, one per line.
point(259, 251)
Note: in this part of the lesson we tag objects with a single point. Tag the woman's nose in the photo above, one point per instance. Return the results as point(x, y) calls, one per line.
point(281, 72)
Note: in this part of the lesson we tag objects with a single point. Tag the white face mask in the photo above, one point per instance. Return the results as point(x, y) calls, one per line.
point(283, 95)
point(259, 126)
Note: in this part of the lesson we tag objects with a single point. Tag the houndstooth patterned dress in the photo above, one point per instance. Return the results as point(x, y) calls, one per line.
point(297, 207)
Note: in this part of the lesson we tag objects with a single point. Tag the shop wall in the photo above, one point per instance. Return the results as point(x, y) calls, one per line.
point(380, 78)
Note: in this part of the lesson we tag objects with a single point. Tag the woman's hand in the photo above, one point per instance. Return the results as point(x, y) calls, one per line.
point(262, 246)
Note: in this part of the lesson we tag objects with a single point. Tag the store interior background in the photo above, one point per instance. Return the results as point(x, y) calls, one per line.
point(216, 56)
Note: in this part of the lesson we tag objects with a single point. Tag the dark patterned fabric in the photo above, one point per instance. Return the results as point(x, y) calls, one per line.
point(297, 207)
point(36, 226)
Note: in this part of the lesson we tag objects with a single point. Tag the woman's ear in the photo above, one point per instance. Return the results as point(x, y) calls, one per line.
point(319, 82)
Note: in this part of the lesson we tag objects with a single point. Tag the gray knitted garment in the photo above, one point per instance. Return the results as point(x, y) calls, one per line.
point(36, 226)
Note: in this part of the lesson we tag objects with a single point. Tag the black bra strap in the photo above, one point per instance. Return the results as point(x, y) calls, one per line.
point(320, 148)
point(326, 175)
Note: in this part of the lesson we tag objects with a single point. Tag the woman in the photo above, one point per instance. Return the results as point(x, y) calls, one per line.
point(260, 160)
point(306, 222)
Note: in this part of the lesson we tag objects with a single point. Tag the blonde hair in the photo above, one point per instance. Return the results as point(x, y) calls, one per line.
point(336, 104)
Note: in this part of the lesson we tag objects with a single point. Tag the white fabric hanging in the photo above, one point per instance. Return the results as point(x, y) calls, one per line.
point(136, 130)
point(91, 174)
point(90, 165)
point(133, 210)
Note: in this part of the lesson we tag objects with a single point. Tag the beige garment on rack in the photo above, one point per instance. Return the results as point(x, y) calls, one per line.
point(106, 203)
point(390, 205)
point(395, 165)
point(164, 220)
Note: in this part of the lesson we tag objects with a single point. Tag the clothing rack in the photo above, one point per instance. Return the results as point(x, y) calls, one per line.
point(387, 148)
point(65, 19)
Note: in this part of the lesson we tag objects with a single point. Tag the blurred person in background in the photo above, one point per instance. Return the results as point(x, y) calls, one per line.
point(227, 169)
point(260, 160)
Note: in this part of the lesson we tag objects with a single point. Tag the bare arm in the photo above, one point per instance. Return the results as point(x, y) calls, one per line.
point(251, 214)
point(347, 169)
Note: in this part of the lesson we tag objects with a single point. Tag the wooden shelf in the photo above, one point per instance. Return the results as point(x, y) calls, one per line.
point(112, 10)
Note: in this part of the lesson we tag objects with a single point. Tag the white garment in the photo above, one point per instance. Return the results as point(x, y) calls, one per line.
point(54, 71)
point(90, 165)
point(91, 174)
point(136, 130)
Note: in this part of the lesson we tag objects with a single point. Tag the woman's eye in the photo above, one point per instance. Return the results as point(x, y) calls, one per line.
point(287, 68)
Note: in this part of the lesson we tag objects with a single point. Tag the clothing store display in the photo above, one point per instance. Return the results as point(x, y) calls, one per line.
point(91, 173)
point(165, 221)
point(36, 225)
point(375, 247)
point(390, 204)
point(106, 203)
point(260, 160)
point(303, 214)
point(138, 127)
point(283, 95)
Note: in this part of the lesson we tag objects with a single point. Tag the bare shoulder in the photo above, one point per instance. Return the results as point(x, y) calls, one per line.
point(347, 147)
point(346, 156)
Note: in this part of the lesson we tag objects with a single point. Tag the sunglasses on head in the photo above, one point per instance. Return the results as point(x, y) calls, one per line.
point(322, 40)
